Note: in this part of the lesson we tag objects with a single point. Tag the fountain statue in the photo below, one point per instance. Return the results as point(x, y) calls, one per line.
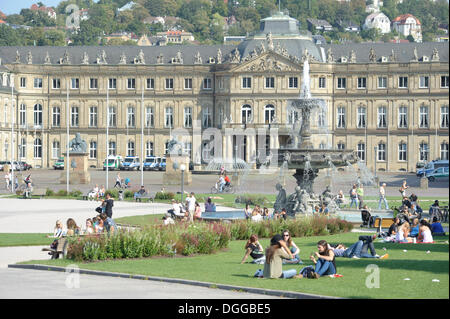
point(304, 158)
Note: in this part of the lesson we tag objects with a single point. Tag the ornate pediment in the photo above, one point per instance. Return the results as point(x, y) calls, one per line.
point(268, 61)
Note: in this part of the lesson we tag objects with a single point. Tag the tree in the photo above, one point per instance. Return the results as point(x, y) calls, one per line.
point(87, 35)
point(55, 38)
point(9, 36)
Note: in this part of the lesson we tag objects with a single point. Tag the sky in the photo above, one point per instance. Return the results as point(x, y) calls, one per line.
point(14, 6)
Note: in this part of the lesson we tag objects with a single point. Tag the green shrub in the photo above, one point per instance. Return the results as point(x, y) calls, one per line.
point(75, 193)
point(49, 192)
point(164, 195)
point(114, 193)
point(129, 194)
point(251, 200)
point(61, 192)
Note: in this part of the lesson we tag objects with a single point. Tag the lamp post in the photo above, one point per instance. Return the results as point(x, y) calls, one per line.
point(182, 168)
point(375, 162)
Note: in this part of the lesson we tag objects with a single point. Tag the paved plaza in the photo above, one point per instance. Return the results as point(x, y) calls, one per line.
point(262, 182)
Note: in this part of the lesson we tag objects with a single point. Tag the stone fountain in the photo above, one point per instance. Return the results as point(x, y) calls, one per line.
point(304, 158)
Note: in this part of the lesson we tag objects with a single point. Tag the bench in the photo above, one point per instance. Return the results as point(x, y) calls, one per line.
point(383, 223)
point(41, 192)
point(145, 196)
point(61, 248)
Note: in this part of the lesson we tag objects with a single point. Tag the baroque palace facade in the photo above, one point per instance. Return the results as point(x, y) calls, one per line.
point(388, 102)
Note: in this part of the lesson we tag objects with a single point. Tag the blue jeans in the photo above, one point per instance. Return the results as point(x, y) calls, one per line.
point(288, 273)
point(385, 202)
point(364, 244)
point(350, 251)
point(354, 200)
point(324, 267)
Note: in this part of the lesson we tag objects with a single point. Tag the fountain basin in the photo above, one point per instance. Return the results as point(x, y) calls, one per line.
point(317, 158)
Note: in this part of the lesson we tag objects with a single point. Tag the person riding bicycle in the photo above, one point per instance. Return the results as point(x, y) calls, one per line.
point(227, 180)
point(28, 181)
point(221, 183)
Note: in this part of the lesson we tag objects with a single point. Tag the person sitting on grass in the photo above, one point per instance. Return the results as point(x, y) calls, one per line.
point(436, 227)
point(256, 216)
point(293, 248)
point(414, 228)
point(254, 249)
point(273, 267)
point(167, 220)
point(359, 249)
point(402, 234)
point(325, 262)
point(425, 235)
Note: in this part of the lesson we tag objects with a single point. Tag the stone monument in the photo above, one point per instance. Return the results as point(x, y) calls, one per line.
point(175, 158)
point(78, 165)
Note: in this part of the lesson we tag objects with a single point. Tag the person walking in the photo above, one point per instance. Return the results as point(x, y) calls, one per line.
point(190, 204)
point(360, 194)
point(383, 197)
point(118, 181)
point(353, 196)
point(7, 180)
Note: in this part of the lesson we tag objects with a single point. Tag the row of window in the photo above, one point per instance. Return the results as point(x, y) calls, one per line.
point(112, 148)
point(269, 83)
point(112, 83)
point(149, 120)
point(424, 82)
point(424, 151)
point(246, 116)
point(402, 121)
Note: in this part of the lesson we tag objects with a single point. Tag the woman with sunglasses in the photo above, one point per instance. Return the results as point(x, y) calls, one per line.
point(293, 248)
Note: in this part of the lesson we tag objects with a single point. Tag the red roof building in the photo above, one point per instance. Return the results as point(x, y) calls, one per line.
point(407, 24)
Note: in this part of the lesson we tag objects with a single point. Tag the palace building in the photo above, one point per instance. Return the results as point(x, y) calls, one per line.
point(387, 101)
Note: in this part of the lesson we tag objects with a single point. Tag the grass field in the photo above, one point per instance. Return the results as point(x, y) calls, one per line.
point(13, 239)
point(224, 267)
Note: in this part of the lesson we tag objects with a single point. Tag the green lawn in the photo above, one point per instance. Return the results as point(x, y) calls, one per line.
point(144, 220)
point(12, 239)
point(225, 268)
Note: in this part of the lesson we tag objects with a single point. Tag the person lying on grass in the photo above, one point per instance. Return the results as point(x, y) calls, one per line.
point(273, 267)
point(358, 249)
point(255, 250)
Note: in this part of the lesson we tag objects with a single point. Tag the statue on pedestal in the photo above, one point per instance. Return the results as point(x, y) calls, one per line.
point(281, 199)
point(77, 145)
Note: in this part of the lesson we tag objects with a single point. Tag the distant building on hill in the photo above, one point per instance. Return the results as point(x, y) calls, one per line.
point(407, 24)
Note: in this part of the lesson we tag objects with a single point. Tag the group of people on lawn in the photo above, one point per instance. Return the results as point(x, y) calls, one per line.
point(283, 250)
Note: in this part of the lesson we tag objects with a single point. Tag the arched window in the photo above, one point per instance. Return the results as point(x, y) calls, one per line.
point(112, 116)
point(55, 149)
point(246, 114)
point(381, 152)
point(37, 115)
point(361, 117)
point(112, 150)
point(402, 151)
point(149, 117)
point(37, 148)
point(168, 116)
point(56, 116)
point(341, 145)
point(361, 151)
point(92, 149)
point(444, 151)
point(424, 151)
point(131, 118)
point(23, 115)
point(269, 113)
point(149, 149)
point(23, 148)
point(130, 148)
point(93, 116)
point(74, 116)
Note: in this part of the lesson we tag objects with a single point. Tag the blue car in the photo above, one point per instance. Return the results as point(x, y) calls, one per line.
point(162, 165)
point(151, 163)
point(430, 167)
point(131, 163)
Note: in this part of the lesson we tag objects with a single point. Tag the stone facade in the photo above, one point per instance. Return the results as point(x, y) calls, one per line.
point(390, 96)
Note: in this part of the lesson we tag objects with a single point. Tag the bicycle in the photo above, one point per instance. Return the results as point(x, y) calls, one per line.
point(227, 188)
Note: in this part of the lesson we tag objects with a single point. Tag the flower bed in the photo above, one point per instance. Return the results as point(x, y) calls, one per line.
point(196, 238)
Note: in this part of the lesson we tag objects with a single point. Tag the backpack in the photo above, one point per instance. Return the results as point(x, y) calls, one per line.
point(307, 272)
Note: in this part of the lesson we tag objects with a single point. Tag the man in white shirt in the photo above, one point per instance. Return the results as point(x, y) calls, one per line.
point(190, 204)
point(221, 183)
point(176, 209)
point(7, 180)
point(383, 197)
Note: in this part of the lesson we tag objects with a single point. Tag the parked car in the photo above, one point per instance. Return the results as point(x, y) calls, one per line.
point(431, 166)
point(59, 164)
point(113, 162)
point(152, 163)
point(131, 163)
point(438, 173)
point(26, 166)
point(16, 165)
point(162, 165)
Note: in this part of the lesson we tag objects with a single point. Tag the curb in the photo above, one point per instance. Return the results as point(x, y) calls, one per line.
point(277, 293)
